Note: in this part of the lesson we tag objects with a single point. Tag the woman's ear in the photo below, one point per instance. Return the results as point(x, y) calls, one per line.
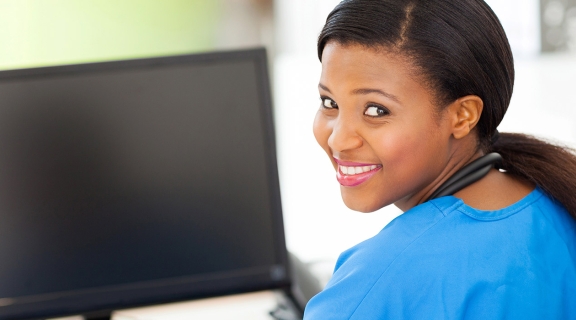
point(465, 114)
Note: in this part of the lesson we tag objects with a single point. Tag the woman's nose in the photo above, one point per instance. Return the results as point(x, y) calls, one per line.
point(344, 136)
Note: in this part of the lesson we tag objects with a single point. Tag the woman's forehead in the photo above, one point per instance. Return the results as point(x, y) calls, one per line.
point(357, 65)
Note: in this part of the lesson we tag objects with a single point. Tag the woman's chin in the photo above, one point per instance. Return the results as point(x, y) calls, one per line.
point(360, 204)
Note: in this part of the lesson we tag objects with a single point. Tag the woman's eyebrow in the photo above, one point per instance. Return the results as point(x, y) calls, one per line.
point(365, 91)
point(378, 91)
point(323, 87)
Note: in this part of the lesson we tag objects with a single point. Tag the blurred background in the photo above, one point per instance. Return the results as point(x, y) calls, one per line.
point(318, 225)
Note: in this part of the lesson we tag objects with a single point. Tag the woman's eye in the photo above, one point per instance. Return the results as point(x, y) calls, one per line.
point(329, 103)
point(376, 111)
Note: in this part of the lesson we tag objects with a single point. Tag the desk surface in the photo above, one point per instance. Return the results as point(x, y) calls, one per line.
point(253, 306)
point(247, 306)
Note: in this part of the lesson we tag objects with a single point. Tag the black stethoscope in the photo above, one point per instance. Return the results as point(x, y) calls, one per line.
point(467, 175)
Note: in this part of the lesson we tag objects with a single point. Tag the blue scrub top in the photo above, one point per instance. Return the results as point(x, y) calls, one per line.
point(446, 260)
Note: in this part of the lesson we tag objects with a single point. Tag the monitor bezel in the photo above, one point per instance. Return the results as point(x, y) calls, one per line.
point(107, 299)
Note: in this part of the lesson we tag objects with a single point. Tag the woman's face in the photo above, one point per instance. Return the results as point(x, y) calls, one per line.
point(377, 123)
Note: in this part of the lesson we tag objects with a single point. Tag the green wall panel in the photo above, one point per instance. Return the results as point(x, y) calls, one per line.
point(52, 32)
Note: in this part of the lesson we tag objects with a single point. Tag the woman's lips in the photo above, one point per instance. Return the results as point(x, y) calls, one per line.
point(350, 174)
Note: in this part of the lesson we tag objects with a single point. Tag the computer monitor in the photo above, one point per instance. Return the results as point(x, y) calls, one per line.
point(137, 182)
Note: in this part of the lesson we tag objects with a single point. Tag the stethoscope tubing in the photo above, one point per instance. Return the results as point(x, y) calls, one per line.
point(469, 174)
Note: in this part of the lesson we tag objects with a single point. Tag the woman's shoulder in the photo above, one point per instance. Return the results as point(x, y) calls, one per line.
point(446, 226)
point(533, 218)
point(401, 232)
point(444, 252)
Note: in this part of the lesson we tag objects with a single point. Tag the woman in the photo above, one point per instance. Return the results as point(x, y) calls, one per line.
point(412, 91)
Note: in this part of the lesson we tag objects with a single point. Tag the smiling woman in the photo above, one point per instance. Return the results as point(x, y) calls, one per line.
point(412, 92)
point(378, 115)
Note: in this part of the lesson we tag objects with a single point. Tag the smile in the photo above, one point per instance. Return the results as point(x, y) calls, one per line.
point(356, 170)
point(351, 174)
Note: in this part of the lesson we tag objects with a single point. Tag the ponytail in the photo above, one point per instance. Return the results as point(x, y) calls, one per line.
point(551, 167)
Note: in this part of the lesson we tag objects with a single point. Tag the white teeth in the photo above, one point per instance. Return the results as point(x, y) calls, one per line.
point(357, 169)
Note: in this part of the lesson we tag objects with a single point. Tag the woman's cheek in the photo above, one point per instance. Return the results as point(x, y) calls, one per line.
point(391, 144)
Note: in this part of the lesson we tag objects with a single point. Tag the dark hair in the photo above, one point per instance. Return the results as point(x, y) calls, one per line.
point(460, 48)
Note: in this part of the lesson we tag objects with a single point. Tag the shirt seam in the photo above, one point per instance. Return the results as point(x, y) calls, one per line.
point(501, 216)
point(444, 215)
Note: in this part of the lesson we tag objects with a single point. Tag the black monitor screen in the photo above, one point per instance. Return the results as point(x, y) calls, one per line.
point(127, 183)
